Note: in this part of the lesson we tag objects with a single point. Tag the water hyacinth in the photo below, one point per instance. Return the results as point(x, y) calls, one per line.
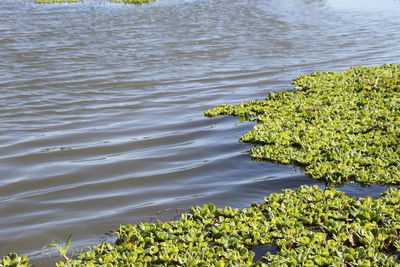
point(12, 260)
point(56, 1)
point(339, 126)
point(308, 227)
point(135, 2)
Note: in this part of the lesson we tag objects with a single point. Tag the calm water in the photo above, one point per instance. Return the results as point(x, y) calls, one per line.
point(101, 105)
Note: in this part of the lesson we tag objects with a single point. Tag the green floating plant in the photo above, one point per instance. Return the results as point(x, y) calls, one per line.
point(135, 2)
point(13, 260)
point(308, 227)
point(339, 126)
point(56, 1)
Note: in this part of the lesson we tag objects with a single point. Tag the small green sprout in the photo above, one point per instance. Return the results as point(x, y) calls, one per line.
point(63, 251)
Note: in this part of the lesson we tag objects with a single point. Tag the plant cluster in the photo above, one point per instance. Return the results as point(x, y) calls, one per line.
point(13, 260)
point(308, 227)
point(56, 1)
point(339, 126)
point(135, 2)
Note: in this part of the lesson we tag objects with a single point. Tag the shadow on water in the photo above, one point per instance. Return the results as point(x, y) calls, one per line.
point(262, 250)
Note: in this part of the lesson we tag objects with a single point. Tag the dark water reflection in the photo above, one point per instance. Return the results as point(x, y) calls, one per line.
point(101, 105)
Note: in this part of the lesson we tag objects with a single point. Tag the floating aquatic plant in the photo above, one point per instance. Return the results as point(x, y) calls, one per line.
point(339, 126)
point(135, 2)
point(308, 227)
point(56, 1)
point(13, 260)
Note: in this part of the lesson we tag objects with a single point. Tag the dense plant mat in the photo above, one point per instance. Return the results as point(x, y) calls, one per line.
point(135, 2)
point(56, 1)
point(339, 126)
point(13, 260)
point(307, 227)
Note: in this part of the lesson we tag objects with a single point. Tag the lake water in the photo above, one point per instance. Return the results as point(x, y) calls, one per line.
point(101, 105)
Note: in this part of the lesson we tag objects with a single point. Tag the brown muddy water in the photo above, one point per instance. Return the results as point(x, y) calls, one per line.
point(101, 105)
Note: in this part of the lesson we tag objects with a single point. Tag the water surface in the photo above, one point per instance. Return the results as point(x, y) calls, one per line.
point(101, 105)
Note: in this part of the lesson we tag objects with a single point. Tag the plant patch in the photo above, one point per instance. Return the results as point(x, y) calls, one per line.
point(339, 127)
point(13, 260)
point(306, 227)
point(135, 2)
point(56, 1)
